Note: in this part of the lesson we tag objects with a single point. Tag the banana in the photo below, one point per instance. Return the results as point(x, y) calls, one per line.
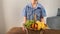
point(41, 25)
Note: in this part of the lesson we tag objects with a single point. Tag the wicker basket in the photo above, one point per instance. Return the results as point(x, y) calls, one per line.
point(31, 31)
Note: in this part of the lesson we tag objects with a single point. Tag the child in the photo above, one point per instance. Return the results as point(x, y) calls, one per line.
point(34, 8)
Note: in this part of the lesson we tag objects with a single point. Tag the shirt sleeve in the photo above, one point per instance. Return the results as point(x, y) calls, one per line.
point(43, 12)
point(24, 13)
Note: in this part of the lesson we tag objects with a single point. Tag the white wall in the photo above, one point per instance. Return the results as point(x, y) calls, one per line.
point(2, 23)
point(59, 4)
point(13, 9)
point(51, 7)
point(12, 12)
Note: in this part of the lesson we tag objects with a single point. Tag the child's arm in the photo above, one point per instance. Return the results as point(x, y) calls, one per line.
point(42, 20)
point(25, 19)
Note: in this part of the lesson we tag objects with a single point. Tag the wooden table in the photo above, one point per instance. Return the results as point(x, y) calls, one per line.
point(47, 31)
point(18, 30)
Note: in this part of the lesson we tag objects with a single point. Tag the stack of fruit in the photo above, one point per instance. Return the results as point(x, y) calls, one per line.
point(36, 26)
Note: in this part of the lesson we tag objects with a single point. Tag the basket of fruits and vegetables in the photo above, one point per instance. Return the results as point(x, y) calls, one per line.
point(37, 25)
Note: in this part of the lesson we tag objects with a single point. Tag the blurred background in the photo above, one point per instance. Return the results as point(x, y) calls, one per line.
point(11, 12)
